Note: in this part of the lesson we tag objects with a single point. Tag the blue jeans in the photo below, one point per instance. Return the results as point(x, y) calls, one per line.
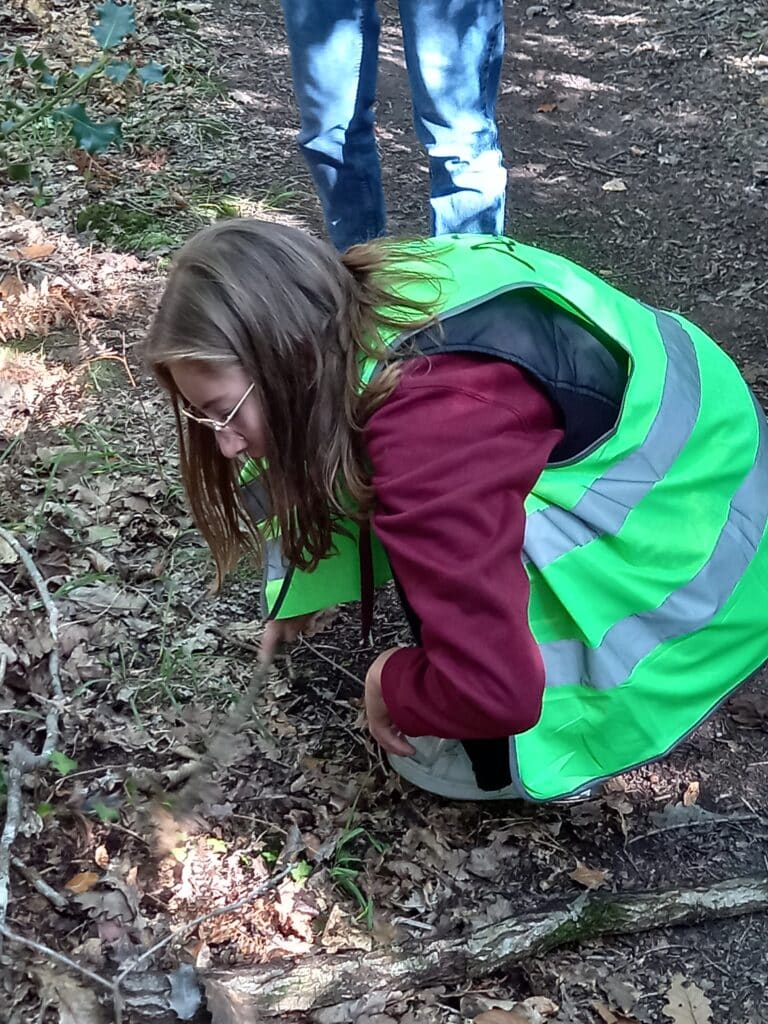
point(453, 52)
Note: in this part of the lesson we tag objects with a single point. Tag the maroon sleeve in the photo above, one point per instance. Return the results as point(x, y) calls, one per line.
point(455, 450)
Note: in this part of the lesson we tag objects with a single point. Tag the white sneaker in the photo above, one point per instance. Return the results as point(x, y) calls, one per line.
point(442, 767)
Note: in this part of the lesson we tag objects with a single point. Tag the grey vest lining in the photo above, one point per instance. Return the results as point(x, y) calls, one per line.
point(571, 364)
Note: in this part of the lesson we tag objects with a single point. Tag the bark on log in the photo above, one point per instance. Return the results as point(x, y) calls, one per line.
point(340, 987)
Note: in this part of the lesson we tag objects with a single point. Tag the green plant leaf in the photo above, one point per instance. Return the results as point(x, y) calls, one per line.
point(20, 58)
point(118, 70)
point(92, 137)
point(302, 870)
point(152, 72)
point(105, 813)
point(62, 764)
point(44, 810)
point(116, 21)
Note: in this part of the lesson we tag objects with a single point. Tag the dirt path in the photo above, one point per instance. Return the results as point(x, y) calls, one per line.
point(673, 100)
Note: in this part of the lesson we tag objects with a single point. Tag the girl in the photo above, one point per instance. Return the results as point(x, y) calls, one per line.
point(569, 487)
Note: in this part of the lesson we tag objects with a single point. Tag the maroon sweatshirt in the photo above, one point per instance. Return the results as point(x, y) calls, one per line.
point(455, 450)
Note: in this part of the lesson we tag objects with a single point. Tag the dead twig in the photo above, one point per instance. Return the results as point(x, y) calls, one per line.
point(60, 958)
point(113, 985)
point(712, 819)
point(179, 933)
point(53, 612)
point(20, 759)
point(330, 661)
point(38, 882)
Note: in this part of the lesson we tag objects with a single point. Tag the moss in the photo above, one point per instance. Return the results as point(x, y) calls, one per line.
point(596, 919)
point(183, 18)
point(127, 229)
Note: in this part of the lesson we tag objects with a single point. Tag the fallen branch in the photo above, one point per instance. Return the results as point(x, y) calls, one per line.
point(38, 882)
point(20, 758)
point(269, 992)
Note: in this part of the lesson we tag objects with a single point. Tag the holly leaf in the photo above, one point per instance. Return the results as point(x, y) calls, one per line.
point(84, 69)
point(116, 21)
point(92, 137)
point(152, 72)
point(118, 70)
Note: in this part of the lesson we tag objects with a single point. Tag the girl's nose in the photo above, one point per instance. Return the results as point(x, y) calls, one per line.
point(231, 443)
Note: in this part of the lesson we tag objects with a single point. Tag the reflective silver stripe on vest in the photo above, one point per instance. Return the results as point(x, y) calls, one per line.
point(275, 568)
point(603, 509)
point(685, 610)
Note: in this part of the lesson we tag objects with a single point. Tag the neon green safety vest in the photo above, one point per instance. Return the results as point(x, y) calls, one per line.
point(647, 554)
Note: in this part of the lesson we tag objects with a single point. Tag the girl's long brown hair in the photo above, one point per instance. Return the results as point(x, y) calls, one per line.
point(297, 317)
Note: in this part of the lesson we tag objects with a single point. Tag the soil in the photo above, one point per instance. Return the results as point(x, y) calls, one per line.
point(672, 100)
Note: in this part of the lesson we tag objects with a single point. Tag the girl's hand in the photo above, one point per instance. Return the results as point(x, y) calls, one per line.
point(288, 631)
point(381, 726)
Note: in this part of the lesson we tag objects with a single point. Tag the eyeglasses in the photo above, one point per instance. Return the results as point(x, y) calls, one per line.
point(216, 425)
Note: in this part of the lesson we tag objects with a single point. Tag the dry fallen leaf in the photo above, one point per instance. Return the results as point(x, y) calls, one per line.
point(82, 882)
point(546, 108)
point(606, 1014)
point(615, 185)
point(10, 285)
point(34, 252)
point(590, 878)
point(620, 994)
point(7, 555)
point(691, 795)
point(536, 1009)
point(501, 1017)
point(76, 1004)
point(750, 709)
point(687, 1004)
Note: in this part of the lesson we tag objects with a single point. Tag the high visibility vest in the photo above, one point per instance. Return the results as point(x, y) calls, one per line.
point(646, 553)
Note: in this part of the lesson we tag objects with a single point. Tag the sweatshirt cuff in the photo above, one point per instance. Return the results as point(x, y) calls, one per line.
point(397, 685)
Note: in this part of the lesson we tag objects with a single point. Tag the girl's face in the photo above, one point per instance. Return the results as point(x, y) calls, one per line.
point(211, 392)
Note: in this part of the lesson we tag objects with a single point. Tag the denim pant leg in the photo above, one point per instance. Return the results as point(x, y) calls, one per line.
point(334, 56)
point(454, 50)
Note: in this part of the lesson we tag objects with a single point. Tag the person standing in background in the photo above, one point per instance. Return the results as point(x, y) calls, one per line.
point(453, 53)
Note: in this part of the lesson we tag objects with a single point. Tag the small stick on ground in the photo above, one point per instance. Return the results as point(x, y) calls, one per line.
point(20, 759)
point(38, 882)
